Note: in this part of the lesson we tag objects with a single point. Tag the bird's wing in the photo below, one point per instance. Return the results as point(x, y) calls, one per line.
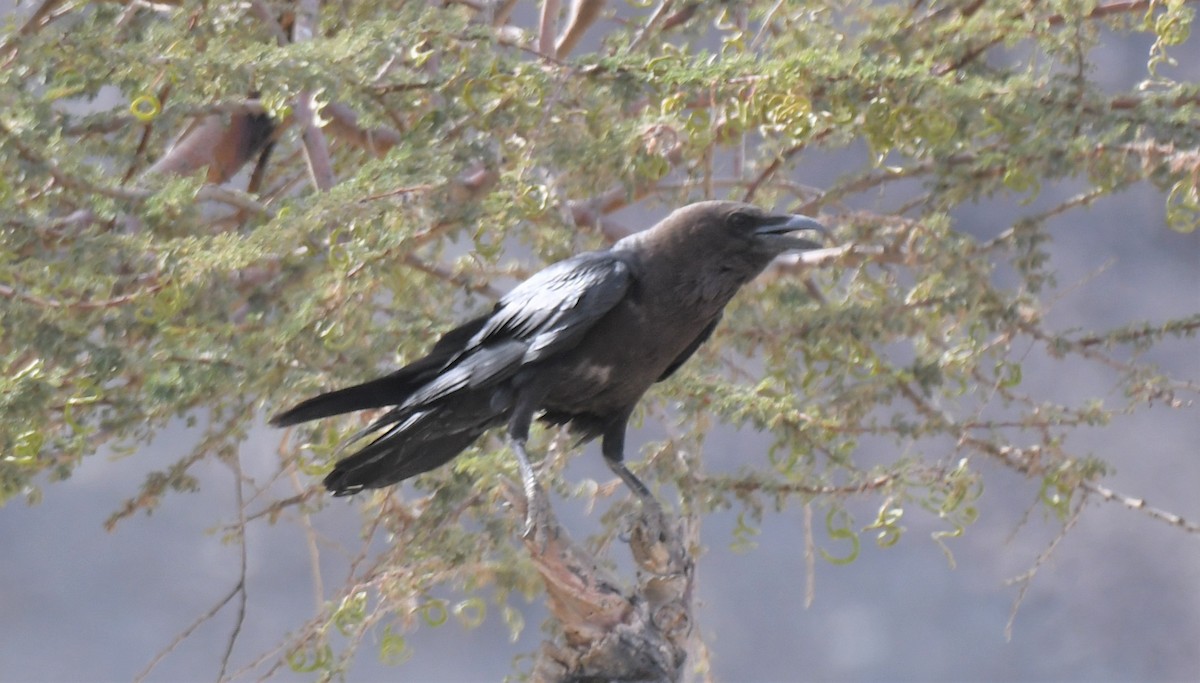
point(483, 366)
point(554, 308)
point(691, 349)
point(542, 316)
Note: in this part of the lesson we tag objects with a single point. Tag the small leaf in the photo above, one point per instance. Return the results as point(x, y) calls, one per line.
point(145, 108)
point(838, 525)
point(1183, 207)
point(297, 660)
point(393, 648)
point(434, 613)
point(471, 612)
point(351, 612)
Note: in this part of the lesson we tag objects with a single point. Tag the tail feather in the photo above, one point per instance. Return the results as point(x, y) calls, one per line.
point(390, 390)
point(416, 441)
point(388, 461)
point(447, 416)
point(377, 393)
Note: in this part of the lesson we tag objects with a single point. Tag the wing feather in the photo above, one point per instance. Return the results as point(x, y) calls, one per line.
point(690, 350)
point(553, 309)
point(544, 315)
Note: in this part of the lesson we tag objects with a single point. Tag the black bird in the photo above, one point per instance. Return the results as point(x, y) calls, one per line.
point(580, 341)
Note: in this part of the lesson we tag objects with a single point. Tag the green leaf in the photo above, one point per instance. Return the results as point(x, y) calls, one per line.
point(838, 525)
point(1183, 207)
point(471, 612)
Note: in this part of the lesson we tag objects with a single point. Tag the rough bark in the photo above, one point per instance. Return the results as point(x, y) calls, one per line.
point(610, 632)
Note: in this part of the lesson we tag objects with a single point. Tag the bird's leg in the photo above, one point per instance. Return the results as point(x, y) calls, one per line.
point(639, 489)
point(537, 508)
point(613, 450)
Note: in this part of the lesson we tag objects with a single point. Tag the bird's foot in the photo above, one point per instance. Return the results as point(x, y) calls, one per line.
point(654, 540)
point(651, 523)
point(538, 516)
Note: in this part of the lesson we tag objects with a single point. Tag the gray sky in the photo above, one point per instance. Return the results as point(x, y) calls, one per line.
point(1119, 600)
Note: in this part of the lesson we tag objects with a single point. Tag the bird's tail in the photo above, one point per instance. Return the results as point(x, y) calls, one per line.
point(397, 456)
point(385, 391)
point(413, 440)
point(389, 390)
point(416, 441)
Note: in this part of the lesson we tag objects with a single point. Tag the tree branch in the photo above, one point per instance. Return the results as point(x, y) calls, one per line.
point(583, 14)
point(316, 148)
point(547, 22)
point(608, 633)
point(651, 23)
point(223, 144)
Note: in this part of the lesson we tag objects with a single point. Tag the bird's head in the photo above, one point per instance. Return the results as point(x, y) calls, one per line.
point(740, 228)
point(773, 232)
point(732, 237)
point(706, 251)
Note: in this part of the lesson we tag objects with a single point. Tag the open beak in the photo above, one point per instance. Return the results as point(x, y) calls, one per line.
point(787, 232)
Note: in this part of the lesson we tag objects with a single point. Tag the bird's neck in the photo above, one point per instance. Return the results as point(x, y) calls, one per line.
point(698, 280)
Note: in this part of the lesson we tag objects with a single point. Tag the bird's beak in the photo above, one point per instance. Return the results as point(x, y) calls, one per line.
point(788, 231)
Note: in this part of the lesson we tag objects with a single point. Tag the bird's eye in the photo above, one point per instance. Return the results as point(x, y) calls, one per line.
point(741, 221)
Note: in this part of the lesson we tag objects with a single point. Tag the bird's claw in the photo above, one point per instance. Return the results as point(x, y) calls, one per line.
point(651, 524)
point(537, 513)
point(653, 540)
point(648, 526)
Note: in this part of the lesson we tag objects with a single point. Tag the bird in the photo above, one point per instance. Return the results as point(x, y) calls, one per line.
point(577, 344)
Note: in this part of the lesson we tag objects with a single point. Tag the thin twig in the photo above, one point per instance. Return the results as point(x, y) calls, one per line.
point(121, 119)
point(1026, 579)
point(263, 13)
point(1140, 505)
point(810, 557)
point(1102, 11)
point(32, 24)
point(236, 464)
point(766, 24)
point(501, 9)
point(741, 20)
point(1081, 199)
point(752, 484)
point(187, 632)
point(655, 16)
point(65, 179)
point(310, 539)
point(771, 169)
point(9, 292)
point(234, 198)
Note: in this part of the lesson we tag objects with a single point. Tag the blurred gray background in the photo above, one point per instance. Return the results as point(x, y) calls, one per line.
point(1119, 600)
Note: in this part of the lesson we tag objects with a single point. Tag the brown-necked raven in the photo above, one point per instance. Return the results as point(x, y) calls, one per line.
point(579, 342)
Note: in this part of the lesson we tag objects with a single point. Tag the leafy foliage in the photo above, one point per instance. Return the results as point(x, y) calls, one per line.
point(131, 298)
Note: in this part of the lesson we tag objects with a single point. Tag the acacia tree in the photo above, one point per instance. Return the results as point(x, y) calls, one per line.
point(290, 196)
